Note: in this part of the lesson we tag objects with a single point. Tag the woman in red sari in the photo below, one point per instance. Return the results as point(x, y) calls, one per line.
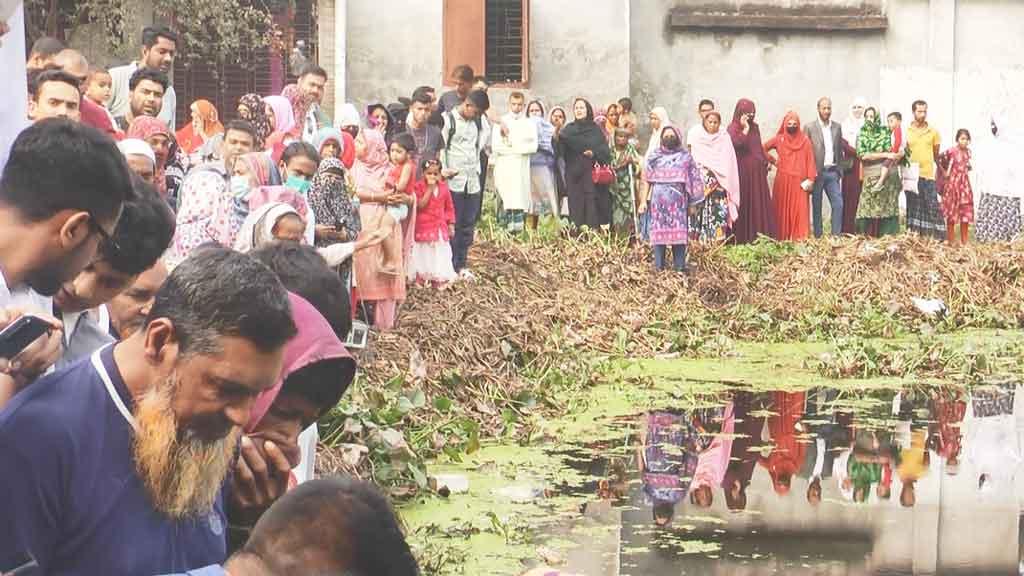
point(795, 178)
point(756, 216)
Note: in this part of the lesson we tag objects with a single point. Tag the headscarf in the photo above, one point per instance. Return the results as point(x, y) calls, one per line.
point(371, 171)
point(792, 142)
point(325, 135)
point(136, 147)
point(284, 114)
point(545, 129)
point(746, 106)
point(314, 342)
point(716, 153)
point(258, 229)
point(300, 108)
point(874, 137)
point(257, 117)
point(348, 116)
point(329, 199)
point(610, 128)
point(674, 166)
point(581, 135)
point(144, 127)
point(852, 124)
point(655, 141)
point(188, 139)
point(261, 168)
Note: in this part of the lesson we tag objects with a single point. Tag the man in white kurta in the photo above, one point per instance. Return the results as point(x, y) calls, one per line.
point(511, 147)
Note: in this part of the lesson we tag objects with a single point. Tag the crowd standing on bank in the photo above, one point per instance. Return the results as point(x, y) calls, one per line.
point(197, 284)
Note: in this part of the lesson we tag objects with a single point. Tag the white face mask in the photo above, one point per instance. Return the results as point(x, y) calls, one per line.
point(239, 185)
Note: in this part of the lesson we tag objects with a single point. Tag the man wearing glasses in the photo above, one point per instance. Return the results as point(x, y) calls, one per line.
point(61, 195)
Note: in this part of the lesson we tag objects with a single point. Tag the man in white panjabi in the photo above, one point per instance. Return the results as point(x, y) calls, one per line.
point(511, 147)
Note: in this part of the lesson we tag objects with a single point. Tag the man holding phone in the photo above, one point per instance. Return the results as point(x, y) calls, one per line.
point(52, 222)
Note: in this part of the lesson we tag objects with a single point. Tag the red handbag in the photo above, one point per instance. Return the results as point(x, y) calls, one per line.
point(602, 174)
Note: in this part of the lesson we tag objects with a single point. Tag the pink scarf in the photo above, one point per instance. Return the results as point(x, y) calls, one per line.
point(716, 153)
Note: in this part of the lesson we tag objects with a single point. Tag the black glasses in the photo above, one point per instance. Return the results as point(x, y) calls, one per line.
point(104, 236)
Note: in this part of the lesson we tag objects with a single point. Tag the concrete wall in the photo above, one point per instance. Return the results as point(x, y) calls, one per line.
point(393, 47)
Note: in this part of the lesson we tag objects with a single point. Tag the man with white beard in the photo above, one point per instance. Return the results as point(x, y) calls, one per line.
point(117, 464)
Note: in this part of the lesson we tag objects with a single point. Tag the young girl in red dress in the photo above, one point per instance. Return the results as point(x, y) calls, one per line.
point(431, 259)
point(957, 195)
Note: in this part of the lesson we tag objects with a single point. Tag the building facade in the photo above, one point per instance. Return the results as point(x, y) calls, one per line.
point(961, 56)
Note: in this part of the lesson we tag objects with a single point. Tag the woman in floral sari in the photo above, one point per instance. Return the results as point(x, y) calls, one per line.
point(878, 209)
point(626, 162)
point(713, 151)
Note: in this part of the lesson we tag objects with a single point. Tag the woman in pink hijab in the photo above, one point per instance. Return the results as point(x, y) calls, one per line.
point(282, 120)
point(317, 371)
point(370, 173)
point(713, 150)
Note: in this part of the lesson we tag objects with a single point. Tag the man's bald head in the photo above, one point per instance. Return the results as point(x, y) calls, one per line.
point(73, 62)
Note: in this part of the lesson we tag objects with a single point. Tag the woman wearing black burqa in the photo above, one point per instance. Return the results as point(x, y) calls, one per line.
point(582, 143)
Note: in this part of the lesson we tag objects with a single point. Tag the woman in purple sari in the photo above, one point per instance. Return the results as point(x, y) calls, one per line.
point(675, 183)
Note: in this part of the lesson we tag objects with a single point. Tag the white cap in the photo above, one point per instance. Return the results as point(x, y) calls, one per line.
point(136, 147)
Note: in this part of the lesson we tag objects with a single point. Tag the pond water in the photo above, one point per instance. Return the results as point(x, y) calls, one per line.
point(907, 478)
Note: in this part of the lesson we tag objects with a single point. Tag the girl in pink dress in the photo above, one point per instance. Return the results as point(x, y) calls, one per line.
point(957, 195)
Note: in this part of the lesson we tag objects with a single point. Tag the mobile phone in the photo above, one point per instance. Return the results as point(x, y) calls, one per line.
point(21, 333)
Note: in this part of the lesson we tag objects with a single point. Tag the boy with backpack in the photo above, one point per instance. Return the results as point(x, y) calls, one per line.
point(465, 134)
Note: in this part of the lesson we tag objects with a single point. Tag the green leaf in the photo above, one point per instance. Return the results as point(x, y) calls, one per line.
point(405, 405)
point(418, 475)
point(443, 403)
point(419, 399)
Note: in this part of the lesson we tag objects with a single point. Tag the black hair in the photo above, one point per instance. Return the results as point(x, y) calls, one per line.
point(481, 79)
point(463, 73)
point(143, 233)
point(543, 111)
point(422, 98)
point(590, 108)
point(663, 509)
point(47, 46)
point(304, 271)
point(423, 91)
point(963, 132)
point(428, 160)
point(405, 140)
point(217, 292)
point(626, 102)
point(347, 524)
point(239, 125)
point(705, 102)
point(151, 74)
point(873, 109)
point(323, 383)
point(479, 99)
point(404, 101)
point(895, 115)
point(37, 78)
point(314, 69)
point(300, 149)
point(151, 34)
point(913, 107)
point(57, 164)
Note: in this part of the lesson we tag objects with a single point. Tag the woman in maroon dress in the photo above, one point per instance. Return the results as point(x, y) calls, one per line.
point(756, 214)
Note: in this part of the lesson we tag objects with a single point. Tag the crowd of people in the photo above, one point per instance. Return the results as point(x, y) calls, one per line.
point(197, 285)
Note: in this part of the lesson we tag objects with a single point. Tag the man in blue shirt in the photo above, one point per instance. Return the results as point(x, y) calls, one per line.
point(116, 465)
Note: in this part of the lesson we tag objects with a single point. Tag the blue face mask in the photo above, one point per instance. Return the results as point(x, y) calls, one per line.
point(239, 185)
point(297, 183)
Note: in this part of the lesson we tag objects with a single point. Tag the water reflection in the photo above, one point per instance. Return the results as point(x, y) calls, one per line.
point(922, 481)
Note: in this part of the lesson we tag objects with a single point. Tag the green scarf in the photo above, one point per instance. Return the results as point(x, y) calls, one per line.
point(874, 138)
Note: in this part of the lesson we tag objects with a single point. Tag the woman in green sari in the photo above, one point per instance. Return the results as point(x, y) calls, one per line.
point(878, 211)
point(626, 163)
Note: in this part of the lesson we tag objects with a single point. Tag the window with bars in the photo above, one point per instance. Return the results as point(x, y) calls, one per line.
point(491, 36)
point(505, 35)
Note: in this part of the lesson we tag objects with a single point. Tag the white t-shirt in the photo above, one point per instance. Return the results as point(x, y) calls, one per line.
point(25, 298)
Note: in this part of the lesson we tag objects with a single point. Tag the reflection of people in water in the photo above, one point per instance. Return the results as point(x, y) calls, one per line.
point(948, 410)
point(830, 432)
point(873, 451)
point(667, 457)
point(743, 456)
point(788, 451)
point(712, 462)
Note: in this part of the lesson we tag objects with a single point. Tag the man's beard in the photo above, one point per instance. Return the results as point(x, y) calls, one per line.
point(182, 475)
